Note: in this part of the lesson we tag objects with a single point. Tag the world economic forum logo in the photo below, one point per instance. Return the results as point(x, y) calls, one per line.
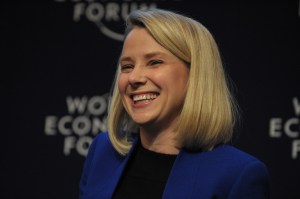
point(84, 118)
point(281, 127)
point(108, 16)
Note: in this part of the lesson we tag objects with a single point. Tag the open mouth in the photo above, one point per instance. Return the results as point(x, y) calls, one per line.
point(144, 98)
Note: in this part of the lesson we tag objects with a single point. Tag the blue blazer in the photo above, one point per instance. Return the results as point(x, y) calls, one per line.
point(224, 172)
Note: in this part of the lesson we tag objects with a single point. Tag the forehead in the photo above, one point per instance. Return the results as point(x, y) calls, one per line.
point(140, 42)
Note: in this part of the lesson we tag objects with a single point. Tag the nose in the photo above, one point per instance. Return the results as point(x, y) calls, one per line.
point(137, 77)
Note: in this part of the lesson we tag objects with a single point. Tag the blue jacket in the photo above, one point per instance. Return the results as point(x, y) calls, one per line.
point(224, 172)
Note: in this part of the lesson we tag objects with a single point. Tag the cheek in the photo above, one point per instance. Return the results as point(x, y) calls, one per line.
point(177, 79)
point(121, 84)
point(182, 77)
point(122, 89)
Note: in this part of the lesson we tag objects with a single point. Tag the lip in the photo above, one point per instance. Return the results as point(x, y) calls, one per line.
point(143, 93)
point(144, 103)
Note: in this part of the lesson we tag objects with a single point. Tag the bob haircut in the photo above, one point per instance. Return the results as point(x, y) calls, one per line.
point(208, 114)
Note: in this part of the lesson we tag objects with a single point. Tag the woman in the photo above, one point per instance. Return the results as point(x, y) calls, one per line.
point(170, 117)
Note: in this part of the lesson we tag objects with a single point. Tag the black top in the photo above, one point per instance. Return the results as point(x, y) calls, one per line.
point(145, 175)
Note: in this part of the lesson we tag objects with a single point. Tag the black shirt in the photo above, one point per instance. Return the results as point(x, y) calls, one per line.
point(145, 175)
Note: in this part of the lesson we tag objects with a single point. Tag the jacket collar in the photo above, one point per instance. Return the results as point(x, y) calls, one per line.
point(183, 171)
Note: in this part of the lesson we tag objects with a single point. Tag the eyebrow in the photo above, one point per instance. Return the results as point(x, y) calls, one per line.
point(146, 56)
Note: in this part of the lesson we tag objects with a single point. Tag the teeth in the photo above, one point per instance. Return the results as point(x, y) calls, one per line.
point(144, 97)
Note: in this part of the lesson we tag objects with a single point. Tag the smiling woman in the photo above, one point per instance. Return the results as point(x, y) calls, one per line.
point(170, 117)
point(152, 85)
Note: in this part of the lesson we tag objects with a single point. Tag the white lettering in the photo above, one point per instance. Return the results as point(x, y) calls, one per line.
point(75, 128)
point(83, 145)
point(99, 125)
point(69, 144)
point(97, 105)
point(77, 103)
point(78, 11)
point(81, 125)
point(275, 127)
point(288, 130)
point(295, 148)
point(112, 10)
point(296, 104)
point(95, 12)
point(124, 11)
point(50, 125)
point(62, 125)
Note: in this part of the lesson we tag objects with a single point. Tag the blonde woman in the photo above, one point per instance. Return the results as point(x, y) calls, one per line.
point(170, 117)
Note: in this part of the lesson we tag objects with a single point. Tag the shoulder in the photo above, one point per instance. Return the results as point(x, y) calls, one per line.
point(232, 155)
point(225, 153)
point(101, 155)
point(230, 159)
point(248, 175)
point(101, 147)
point(233, 172)
point(101, 138)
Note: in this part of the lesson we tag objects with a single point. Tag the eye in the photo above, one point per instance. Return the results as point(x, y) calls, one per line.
point(155, 62)
point(126, 68)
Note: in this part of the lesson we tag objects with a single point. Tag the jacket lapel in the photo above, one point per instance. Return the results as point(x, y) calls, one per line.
point(182, 177)
point(113, 181)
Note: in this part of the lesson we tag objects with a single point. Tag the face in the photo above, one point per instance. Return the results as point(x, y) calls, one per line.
point(152, 82)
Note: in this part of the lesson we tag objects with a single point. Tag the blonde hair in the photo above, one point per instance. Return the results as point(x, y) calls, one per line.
point(208, 114)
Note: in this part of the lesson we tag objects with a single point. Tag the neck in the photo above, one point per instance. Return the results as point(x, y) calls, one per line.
point(163, 142)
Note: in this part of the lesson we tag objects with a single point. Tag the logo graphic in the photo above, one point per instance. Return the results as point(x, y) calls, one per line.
point(281, 127)
point(86, 117)
point(108, 16)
